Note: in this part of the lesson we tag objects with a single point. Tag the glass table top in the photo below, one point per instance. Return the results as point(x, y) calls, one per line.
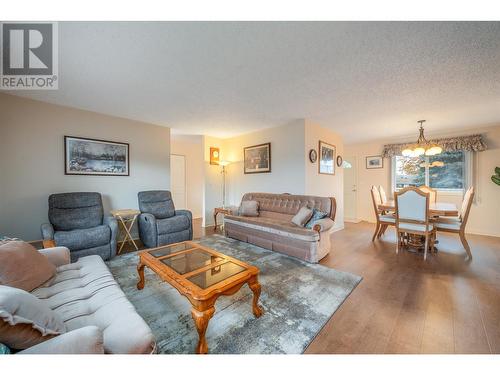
point(168, 250)
point(190, 261)
point(216, 274)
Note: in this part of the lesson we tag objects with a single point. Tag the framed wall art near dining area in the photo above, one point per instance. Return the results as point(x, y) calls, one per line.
point(374, 162)
point(326, 158)
point(86, 156)
point(257, 159)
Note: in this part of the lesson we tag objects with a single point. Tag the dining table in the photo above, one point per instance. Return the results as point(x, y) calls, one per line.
point(435, 208)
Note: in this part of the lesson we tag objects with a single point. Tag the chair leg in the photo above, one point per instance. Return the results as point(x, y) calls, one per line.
point(376, 231)
point(426, 245)
point(465, 245)
point(382, 230)
point(398, 236)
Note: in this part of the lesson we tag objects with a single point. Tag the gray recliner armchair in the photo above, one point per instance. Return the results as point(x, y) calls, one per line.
point(77, 222)
point(159, 222)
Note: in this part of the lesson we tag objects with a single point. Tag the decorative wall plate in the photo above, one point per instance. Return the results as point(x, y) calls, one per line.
point(313, 155)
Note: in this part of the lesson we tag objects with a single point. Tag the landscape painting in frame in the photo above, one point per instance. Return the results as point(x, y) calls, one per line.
point(326, 158)
point(85, 156)
point(374, 162)
point(257, 159)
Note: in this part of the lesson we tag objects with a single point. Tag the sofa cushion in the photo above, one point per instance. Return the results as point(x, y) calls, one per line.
point(68, 211)
point(316, 215)
point(302, 217)
point(285, 229)
point(26, 320)
point(159, 203)
point(83, 238)
point(85, 293)
point(172, 224)
point(249, 208)
point(22, 266)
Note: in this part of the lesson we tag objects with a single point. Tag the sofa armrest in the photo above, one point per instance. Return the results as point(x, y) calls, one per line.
point(86, 340)
point(147, 230)
point(112, 223)
point(58, 256)
point(323, 225)
point(47, 231)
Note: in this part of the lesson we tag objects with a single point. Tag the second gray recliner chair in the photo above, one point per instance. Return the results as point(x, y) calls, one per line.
point(159, 222)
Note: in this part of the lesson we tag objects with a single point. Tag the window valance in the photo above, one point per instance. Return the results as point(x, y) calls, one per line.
point(465, 143)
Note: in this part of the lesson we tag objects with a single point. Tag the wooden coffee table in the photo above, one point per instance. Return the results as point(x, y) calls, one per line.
point(202, 275)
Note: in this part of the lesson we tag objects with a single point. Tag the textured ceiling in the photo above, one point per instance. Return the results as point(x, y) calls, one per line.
point(365, 80)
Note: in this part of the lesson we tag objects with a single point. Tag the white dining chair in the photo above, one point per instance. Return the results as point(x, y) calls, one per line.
point(383, 220)
point(383, 195)
point(458, 224)
point(432, 192)
point(412, 216)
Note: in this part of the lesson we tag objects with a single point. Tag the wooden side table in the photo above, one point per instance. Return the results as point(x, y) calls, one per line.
point(126, 218)
point(224, 211)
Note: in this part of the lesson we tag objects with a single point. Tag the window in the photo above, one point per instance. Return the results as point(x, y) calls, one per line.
point(447, 171)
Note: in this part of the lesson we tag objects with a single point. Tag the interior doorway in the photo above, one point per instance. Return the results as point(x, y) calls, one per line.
point(351, 189)
point(178, 181)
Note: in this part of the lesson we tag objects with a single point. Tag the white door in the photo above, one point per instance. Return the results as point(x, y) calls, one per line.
point(350, 190)
point(178, 180)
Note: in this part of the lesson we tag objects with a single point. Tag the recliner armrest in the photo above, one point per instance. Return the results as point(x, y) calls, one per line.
point(185, 213)
point(148, 230)
point(58, 256)
point(47, 231)
point(112, 223)
point(86, 340)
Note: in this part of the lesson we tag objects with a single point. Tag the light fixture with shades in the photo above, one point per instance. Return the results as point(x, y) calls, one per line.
point(422, 147)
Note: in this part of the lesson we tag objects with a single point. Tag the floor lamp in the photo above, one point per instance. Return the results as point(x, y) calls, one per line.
point(223, 163)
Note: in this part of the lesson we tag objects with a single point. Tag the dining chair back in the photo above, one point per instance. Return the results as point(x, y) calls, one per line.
point(383, 220)
point(432, 192)
point(383, 195)
point(466, 205)
point(412, 216)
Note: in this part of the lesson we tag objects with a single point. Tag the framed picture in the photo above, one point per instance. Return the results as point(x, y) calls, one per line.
point(86, 156)
point(257, 159)
point(326, 158)
point(313, 156)
point(214, 155)
point(374, 162)
point(339, 161)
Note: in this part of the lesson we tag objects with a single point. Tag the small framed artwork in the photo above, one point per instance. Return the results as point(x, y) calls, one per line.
point(339, 161)
point(87, 156)
point(257, 159)
point(326, 158)
point(374, 162)
point(214, 155)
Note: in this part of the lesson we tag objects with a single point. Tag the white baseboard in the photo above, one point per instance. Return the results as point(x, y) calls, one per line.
point(355, 221)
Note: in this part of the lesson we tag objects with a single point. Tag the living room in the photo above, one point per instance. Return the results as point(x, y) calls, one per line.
point(250, 188)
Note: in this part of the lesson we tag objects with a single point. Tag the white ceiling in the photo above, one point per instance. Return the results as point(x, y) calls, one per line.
point(365, 80)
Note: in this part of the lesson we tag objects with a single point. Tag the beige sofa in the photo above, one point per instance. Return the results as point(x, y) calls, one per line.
point(97, 314)
point(273, 228)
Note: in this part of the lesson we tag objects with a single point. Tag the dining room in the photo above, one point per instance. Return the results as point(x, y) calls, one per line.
point(427, 186)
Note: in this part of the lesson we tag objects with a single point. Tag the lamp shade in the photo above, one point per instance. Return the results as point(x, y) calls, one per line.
point(224, 163)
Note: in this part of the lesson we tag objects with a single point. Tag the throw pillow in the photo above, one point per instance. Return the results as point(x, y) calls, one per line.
point(4, 349)
point(317, 215)
point(302, 217)
point(22, 266)
point(26, 320)
point(249, 208)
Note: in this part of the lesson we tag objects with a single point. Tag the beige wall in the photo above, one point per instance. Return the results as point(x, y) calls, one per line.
point(212, 184)
point(320, 184)
point(484, 213)
point(191, 146)
point(32, 160)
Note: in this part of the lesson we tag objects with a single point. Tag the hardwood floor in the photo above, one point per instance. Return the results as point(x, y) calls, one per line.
point(407, 305)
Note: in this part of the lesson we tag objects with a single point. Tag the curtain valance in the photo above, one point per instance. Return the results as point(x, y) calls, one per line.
point(465, 143)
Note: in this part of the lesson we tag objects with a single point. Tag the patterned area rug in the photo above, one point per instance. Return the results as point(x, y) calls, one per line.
point(298, 298)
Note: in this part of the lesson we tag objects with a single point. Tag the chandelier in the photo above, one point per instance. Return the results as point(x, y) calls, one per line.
point(422, 147)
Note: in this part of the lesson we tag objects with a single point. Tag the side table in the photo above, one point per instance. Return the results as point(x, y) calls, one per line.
point(127, 218)
point(224, 211)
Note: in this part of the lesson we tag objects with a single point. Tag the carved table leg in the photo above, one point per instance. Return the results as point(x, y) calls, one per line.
point(254, 285)
point(140, 271)
point(201, 319)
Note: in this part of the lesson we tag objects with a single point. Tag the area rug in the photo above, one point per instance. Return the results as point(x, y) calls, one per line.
point(298, 298)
